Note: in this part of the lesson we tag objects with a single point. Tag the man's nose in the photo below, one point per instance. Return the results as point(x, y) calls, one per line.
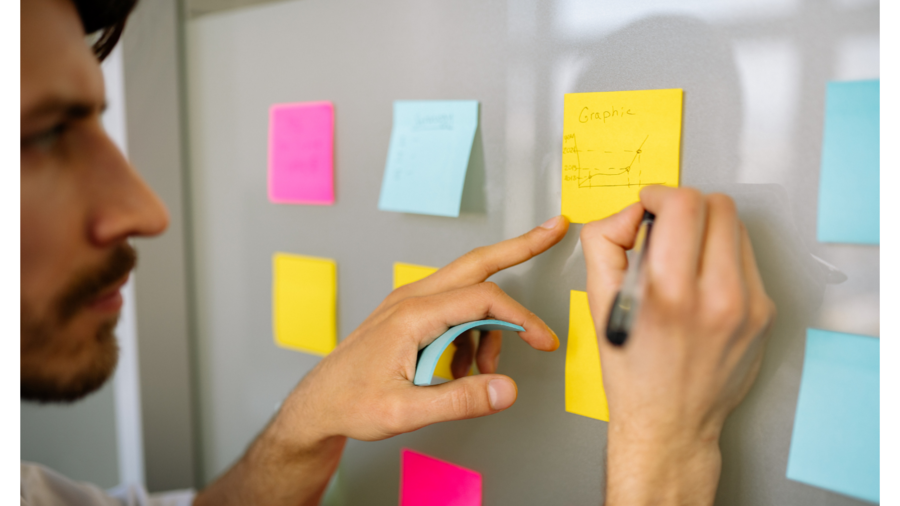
point(123, 205)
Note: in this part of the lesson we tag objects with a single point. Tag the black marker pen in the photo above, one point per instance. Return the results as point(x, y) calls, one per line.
point(626, 305)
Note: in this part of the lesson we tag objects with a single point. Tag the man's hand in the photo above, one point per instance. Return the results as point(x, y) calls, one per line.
point(694, 351)
point(363, 389)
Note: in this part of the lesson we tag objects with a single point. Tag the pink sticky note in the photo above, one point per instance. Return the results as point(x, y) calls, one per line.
point(426, 481)
point(301, 153)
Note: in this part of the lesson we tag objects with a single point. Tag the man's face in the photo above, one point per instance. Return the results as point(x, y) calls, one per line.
point(81, 201)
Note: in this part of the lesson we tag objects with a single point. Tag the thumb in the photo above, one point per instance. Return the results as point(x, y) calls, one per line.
point(605, 243)
point(468, 397)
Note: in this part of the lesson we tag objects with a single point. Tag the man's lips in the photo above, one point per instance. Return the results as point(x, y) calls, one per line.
point(110, 300)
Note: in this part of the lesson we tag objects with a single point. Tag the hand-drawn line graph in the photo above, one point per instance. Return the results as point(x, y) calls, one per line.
point(599, 177)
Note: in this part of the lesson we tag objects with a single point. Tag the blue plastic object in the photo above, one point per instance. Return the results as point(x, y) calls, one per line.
point(428, 357)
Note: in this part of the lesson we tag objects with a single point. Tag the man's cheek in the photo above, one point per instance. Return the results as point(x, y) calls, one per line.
point(53, 237)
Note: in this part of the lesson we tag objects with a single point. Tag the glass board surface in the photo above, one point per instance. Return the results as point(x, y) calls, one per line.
point(754, 77)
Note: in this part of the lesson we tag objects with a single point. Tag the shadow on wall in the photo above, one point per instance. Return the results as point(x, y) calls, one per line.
point(679, 52)
point(474, 196)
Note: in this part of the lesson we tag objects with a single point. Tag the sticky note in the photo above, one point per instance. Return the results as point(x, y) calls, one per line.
point(614, 144)
point(301, 153)
point(405, 274)
point(584, 377)
point(428, 156)
point(427, 481)
point(849, 180)
point(304, 302)
point(835, 443)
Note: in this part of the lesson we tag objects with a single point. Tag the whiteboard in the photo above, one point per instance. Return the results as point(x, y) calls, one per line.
point(753, 74)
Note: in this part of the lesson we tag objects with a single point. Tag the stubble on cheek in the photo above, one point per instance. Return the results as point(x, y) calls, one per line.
point(65, 372)
point(68, 353)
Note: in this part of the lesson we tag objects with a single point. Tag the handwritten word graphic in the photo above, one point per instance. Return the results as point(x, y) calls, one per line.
point(614, 144)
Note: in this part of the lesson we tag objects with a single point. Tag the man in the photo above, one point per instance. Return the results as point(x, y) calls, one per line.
point(692, 356)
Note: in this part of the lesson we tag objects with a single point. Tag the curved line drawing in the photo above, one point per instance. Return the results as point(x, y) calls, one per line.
point(587, 181)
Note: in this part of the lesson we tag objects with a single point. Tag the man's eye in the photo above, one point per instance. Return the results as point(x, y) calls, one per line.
point(44, 141)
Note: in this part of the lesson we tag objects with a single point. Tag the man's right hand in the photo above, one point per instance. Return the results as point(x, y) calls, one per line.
point(694, 351)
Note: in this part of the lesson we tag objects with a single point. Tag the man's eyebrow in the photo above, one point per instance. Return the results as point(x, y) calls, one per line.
point(67, 109)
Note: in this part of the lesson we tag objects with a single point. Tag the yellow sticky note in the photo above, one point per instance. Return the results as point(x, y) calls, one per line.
point(584, 377)
point(405, 274)
point(304, 301)
point(614, 144)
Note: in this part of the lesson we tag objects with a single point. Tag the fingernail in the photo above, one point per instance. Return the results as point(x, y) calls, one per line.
point(551, 223)
point(555, 338)
point(501, 393)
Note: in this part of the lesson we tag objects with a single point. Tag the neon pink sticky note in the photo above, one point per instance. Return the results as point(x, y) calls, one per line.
point(426, 481)
point(301, 153)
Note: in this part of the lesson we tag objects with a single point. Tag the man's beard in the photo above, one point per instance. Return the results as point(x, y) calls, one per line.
point(42, 338)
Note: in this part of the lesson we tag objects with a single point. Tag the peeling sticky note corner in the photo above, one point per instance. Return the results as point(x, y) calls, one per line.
point(835, 442)
point(428, 156)
point(614, 144)
point(584, 377)
point(301, 153)
point(304, 303)
point(405, 274)
point(427, 481)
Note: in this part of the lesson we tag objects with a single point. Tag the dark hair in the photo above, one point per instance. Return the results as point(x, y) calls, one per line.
point(106, 15)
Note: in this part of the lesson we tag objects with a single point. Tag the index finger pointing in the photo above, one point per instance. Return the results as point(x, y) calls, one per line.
point(481, 263)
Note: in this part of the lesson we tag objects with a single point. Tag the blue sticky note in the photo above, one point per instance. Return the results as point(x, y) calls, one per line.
point(848, 185)
point(428, 156)
point(835, 444)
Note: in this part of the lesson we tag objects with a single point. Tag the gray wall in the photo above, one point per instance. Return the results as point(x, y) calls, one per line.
point(77, 440)
point(754, 78)
point(151, 46)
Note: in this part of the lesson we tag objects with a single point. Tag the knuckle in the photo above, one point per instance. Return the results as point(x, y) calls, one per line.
point(762, 312)
point(408, 309)
point(722, 203)
point(478, 258)
point(401, 292)
point(476, 254)
point(676, 297)
point(727, 310)
point(688, 198)
point(490, 289)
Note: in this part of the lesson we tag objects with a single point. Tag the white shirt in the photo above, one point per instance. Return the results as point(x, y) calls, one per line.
point(41, 486)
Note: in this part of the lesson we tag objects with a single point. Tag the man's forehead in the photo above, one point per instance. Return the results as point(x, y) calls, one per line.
point(57, 66)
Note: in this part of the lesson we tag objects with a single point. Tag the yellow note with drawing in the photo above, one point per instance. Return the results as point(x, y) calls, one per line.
point(614, 144)
point(304, 303)
point(405, 274)
point(584, 376)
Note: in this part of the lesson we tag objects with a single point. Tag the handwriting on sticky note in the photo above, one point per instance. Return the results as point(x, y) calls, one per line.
point(405, 274)
point(835, 442)
point(614, 144)
point(304, 305)
point(428, 156)
point(584, 377)
point(427, 481)
point(849, 183)
point(301, 153)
